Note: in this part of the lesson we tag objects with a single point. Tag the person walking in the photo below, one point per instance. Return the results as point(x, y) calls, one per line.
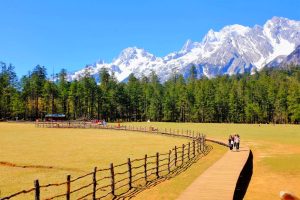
point(234, 141)
point(230, 142)
point(237, 141)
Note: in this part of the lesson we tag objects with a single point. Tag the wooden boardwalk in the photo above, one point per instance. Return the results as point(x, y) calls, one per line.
point(218, 181)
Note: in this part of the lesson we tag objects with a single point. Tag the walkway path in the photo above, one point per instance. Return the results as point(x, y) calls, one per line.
point(218, 181)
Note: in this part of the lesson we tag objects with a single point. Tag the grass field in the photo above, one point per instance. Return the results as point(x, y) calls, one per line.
point(276, 150)
point(28, 153)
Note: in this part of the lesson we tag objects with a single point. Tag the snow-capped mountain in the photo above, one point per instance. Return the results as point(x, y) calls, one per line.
point(284, 61)
point(234, 49)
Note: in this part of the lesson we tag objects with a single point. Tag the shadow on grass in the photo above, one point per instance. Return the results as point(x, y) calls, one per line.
point(136, 190)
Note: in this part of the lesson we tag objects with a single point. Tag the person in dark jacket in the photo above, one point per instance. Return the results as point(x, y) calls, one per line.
point(237, 141)
point(230, 142)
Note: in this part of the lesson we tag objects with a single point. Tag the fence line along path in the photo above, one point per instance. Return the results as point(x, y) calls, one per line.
point(116, 180)
point(219, 181)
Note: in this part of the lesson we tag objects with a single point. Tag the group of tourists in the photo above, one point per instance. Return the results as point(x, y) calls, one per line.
point(234, 142)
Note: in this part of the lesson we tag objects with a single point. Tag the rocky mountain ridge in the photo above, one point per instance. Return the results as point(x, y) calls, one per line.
point(232, 50)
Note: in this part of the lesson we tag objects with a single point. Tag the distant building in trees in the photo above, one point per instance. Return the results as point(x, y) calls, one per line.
point(55, 117)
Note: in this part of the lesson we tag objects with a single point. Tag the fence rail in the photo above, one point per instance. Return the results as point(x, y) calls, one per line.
point(121, 178)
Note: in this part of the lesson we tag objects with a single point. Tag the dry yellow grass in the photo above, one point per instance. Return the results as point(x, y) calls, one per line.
point(172, 188)
point(276, 151)
point(67, 151)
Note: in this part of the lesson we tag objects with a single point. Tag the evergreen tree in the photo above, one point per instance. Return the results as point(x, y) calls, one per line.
point(8, 83)
point(37, 79)
point(182, 100)
point(293, 101)
point(155, 98)
point(270, 96)
point(63, 88)
point(134, 92)
point(74, 99)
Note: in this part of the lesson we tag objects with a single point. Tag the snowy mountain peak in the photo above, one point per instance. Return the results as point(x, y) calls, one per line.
point(282, 27)
point(281, 22)
point(235, 29)
point(130, 54)
point(225, 33)
point(234, 49)
point(285, 61)
point(210, 37)
point(189, 45)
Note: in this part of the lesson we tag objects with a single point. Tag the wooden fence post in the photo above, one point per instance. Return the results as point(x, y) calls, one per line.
point(157, 165)
point(145, 168)
point(169, 160)
point(94, 183)
point(130, 174)
point(200, 142)
point(189, 149)
point(194, 150)
point(37, 189)
point(112, 172)
point(175, 156)
point(182, 154)
point(68, 187)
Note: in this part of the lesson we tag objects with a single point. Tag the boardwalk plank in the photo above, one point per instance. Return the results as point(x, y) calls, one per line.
point(218, 181)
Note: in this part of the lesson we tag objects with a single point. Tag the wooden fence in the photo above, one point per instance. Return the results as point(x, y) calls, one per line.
point(116, 180)
point(146, 129)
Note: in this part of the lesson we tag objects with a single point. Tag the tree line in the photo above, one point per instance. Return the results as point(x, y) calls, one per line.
point(269, 96)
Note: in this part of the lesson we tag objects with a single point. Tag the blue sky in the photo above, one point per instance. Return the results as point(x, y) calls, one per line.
point(70, 34)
